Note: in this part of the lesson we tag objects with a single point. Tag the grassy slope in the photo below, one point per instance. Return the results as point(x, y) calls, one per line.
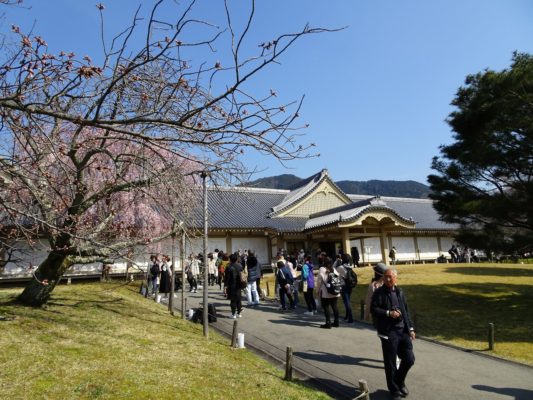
point(104, 341)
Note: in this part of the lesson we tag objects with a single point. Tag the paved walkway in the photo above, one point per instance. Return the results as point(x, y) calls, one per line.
point(336, 359)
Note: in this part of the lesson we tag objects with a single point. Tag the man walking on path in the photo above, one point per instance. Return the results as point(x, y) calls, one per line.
point(395, 329)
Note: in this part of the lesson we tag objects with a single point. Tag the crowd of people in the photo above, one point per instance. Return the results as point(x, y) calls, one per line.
point(158, 275)
point(321, 285)
point(463, 255)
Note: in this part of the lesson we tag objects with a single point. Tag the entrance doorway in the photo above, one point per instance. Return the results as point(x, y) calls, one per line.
point(330, 248)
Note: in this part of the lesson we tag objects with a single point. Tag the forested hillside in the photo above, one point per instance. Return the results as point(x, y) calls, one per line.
point(372, 187)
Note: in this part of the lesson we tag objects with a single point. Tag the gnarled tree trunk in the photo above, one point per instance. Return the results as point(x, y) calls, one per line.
point(44, 280)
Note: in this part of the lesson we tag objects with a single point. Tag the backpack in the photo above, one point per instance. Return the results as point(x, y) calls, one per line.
point(198, 315)
point(351, 278)
point(243, 279)
point(211, 313)
point(333, 284)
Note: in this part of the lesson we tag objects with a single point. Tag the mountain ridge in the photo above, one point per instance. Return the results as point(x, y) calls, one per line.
point(373, 187)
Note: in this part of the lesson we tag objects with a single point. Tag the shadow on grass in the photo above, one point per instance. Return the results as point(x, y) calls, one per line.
point(332, 388)
point(96, 303)
point(463, 311)
point(515, 393)
point(491, 271)
point(57, 309)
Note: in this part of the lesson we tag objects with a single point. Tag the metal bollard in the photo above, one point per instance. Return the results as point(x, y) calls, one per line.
point(491, 336)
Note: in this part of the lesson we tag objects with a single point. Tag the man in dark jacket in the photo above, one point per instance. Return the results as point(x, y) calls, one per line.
point(395, 329)
point(254, 274)
point(232, 281)
point(285, 280)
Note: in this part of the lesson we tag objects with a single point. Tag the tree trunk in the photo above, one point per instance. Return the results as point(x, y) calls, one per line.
point(44, 280)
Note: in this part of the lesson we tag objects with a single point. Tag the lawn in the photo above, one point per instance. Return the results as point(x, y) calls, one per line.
point(105, 341)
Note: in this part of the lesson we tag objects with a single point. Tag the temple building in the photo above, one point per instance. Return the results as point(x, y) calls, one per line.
point(313, 215)
point(317, 214)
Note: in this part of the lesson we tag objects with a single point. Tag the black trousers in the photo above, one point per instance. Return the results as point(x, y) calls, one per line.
point(398, 344)
point(282, 293)
point(310, 299)
point(328, 302)
point(235, 301)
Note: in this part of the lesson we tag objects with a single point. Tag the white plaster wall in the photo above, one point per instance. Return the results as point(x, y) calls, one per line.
point(196, 245)
point(216, 243)
point(80, 269)
point(429, 248)
point(371, 250)
point(258, 244)
point(405, 248)
point(26, 256)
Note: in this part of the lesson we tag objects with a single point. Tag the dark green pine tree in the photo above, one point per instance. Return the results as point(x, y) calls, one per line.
point(484, 179)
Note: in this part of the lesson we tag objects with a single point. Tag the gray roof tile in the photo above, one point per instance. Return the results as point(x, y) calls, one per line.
point(250, 208)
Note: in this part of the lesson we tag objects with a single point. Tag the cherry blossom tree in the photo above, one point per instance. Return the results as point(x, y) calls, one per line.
point(98, 157)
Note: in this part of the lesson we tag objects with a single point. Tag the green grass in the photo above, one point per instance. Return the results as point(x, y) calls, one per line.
point(454, 303)
point(105, 341)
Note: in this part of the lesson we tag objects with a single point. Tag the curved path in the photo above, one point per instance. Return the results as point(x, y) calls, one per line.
point(336, 359)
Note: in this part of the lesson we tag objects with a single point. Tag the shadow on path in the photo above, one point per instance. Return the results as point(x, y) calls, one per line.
point(340, 359)
point(515, 393)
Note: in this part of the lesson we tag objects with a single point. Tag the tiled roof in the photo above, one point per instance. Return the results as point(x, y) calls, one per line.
point(302, 190)
point(420, 210)
point(251, 208)
point(299, 191)
point(351, 212)
point(246, 208)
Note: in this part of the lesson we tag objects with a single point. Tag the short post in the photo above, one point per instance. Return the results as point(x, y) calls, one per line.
point(288, 364)
point(491, 336)
point(362, 309)
point(363, 388)
point(268, 290)
point(234, 334)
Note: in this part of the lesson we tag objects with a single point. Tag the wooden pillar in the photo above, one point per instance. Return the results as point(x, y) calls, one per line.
point(346, 240)
point(228, 243)
point(280, 243)
point(362, 252)
point(417, 252)
point(439, 245)
point(384, 246)
point(269, 247)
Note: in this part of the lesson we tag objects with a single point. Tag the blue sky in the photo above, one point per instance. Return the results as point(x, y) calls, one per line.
point(376, 94)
